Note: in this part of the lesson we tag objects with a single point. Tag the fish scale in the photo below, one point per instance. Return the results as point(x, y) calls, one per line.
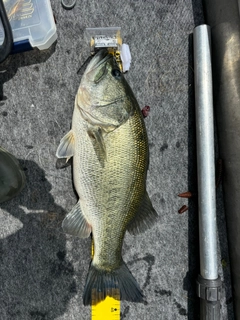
point(108, 240)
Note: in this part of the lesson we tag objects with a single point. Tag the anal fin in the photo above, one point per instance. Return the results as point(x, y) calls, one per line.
point(145, 217)
point(76, 224)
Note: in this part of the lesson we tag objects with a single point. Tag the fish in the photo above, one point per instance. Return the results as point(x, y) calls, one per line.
point(109, 146)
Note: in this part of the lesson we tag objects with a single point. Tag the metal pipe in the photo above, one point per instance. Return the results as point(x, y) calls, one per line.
point(205, 153)
point(223, 17)
point(208, 283)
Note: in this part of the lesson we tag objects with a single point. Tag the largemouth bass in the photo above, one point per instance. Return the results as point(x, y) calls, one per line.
point(109, 146)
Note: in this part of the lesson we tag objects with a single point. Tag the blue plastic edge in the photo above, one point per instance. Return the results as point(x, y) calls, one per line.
point(21, 46)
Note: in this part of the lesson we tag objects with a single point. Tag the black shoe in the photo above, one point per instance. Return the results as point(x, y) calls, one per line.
point(12, 178)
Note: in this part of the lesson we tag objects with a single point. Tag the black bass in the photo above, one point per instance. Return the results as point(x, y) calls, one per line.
point(109, 146)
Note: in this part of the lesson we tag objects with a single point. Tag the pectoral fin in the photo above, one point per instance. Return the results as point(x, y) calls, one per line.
point(76, 224)
point(144, 218)
point(96, 136)
point(66, 146)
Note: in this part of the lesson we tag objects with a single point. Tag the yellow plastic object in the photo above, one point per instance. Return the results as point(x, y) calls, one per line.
point(108, 309)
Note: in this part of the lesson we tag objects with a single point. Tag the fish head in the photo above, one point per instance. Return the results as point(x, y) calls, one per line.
point(104, 97)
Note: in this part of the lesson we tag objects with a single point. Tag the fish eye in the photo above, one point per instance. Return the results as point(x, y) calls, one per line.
point(116, 73)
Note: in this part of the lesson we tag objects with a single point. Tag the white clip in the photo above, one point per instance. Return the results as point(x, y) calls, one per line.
point(125, 57)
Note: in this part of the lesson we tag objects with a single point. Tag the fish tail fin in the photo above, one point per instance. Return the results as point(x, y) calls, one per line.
point(118, 283)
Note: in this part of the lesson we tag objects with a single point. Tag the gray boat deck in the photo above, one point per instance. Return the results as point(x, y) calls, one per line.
point(42, 270)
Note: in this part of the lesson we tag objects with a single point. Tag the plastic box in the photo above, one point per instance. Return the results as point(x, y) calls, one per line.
point(32, 24)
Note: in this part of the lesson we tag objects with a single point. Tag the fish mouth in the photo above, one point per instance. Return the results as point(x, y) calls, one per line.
point(100, 58)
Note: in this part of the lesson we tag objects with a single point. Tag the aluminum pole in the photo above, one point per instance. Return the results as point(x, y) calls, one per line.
point(208, 284)
point(223, 18)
